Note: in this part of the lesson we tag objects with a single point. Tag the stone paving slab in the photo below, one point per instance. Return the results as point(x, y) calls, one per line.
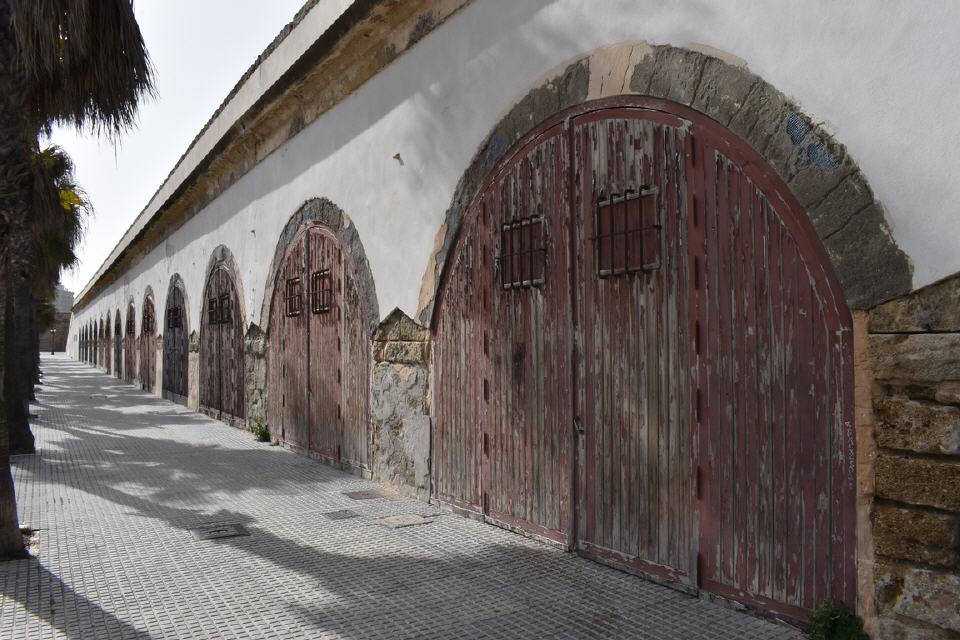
point(122, 479)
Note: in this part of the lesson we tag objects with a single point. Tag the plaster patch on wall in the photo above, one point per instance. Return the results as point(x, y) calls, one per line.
point(611, 68)
point(428, 284)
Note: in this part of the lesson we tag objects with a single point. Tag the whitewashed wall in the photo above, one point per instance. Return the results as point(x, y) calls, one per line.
point(880, 75)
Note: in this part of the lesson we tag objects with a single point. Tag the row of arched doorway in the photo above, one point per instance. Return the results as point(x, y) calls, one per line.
point(133, 357)
point(640, 350)
point(320, 323)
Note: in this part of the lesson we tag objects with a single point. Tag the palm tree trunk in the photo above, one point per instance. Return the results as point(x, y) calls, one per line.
point(14, 178)
point(20, 367)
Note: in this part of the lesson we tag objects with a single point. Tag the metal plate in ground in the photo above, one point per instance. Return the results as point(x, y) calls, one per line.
point(369, 494)
point(219, 530)
point(343, 514)
point(404, 520)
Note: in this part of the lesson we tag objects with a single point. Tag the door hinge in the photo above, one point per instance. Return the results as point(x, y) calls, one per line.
point(486, 445)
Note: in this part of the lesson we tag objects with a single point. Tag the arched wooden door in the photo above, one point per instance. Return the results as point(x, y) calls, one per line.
point(118, 345)
point(148, 347)
point(221, 350)
point(175, 347)
point(642, 351)
point(319, 362)
point(130, 347)
point(107, 346)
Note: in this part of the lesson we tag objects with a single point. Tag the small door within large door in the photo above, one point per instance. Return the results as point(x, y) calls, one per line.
point(323, 277)
point(635, 505)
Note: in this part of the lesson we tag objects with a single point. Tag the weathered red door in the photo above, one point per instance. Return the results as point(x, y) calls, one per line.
point(324, 275)
point(505, 333)
point(148, 347)
point(635, 505)
point(118, 345)
point(289, 412)
point(319, 346)
point(130, 347)
point(221, 350)
point(776, 439)
point(175, 347)
point(634, 279)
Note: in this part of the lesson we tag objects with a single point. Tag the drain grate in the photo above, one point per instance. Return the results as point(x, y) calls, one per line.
point(369, 494)
point(343, 514)
point(219, 530)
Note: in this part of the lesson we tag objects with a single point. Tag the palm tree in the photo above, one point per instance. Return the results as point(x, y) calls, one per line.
point(60, 209)
point(75, 62)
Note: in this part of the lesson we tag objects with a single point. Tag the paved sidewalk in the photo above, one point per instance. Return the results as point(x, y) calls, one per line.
point(121, 478)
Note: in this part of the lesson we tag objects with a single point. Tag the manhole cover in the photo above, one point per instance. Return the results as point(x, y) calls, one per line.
point(404, 520)
point(370, 494)
point(220, 530)
point(343, 514)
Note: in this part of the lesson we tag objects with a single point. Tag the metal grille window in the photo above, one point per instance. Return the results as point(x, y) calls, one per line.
point(213, 311)
point(628, 233)
point(130, 326)
point(174, 318)
point(522, 253)
point(321, 291)
point(225, 315)
point(293, 297)
point(147, 321)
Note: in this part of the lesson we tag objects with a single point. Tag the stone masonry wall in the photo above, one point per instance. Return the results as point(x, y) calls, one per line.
point(915, 356)
point(399, 405)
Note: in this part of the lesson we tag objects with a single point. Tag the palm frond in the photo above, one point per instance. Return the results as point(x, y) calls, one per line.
point(84, 62)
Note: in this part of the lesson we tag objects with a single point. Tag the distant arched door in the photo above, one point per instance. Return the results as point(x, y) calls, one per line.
point(130, 347)
point(118, 345)
point(319, 369)
point(148, 347)
point(175, 346)
point(107, 345)
point(221, 349)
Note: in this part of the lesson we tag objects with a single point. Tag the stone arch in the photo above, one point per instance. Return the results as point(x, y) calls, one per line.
point(817, 169)
point(325, 356)
point(222, 379)
point(331, 216)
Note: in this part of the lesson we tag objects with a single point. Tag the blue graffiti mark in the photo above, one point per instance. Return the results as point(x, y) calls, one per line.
point(797, 128)
point(495, 148)
point(818, 156)
point(813, 154)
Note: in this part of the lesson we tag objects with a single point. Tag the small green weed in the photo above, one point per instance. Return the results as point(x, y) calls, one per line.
point(260, 431)
point(832, 622)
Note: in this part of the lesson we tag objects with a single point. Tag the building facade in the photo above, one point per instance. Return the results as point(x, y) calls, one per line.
point(679, 307)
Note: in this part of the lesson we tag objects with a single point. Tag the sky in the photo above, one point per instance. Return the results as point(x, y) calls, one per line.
point(199, 48)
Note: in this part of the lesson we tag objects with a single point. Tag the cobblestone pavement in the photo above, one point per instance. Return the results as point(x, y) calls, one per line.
point(121, 479)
